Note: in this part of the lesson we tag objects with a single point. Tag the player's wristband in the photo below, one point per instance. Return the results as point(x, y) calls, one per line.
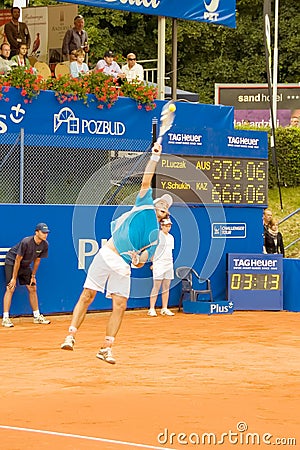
point(155, 158)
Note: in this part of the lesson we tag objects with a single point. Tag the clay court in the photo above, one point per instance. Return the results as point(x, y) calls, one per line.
point(191, 374)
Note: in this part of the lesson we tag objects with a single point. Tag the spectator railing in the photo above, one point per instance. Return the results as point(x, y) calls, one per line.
point(150, 73)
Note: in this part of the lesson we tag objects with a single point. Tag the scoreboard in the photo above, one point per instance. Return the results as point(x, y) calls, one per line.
point(214, 179)
point(255, 281)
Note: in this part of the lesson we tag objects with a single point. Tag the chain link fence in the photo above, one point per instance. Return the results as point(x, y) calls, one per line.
point(42, 174)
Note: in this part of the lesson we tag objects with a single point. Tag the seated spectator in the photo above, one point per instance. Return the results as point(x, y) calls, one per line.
point(273, 242)
point(133, 70)
point(5, 63)
point(21, 58)
point(73, 57)
point(78, 68)
point(108, 66)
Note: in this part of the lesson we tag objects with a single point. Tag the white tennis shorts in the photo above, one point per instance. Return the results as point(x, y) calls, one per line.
point(109, 270)
point(162, 271)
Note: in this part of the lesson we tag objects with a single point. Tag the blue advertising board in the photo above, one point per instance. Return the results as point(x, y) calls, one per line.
point(197, 129)
point(78, 231)
point(218, 12)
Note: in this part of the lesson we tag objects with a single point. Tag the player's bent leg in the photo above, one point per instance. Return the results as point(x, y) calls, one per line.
point(116, 317)
point(86, 298)
point(113, 326)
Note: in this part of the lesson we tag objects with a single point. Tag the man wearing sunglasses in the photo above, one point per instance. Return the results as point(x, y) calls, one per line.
point(132, 69)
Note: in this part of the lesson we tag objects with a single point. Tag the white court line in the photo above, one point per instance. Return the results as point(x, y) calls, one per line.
point(79, 436)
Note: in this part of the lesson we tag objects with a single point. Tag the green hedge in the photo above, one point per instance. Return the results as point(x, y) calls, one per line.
point(287, 142)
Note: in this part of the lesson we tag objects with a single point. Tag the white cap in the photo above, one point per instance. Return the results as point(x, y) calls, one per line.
point(166, 198)
point(166, 221)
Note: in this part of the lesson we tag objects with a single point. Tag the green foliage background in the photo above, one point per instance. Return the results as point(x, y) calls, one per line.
point(288, 158)
point(207, 54)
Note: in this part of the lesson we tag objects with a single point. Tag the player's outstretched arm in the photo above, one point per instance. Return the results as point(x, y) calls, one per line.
point(150, 168)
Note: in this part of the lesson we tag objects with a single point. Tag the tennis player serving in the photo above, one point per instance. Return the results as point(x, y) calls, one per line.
point(133, 241)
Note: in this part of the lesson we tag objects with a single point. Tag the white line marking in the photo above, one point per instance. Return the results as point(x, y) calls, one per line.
point(3, 249)
point(79, 436)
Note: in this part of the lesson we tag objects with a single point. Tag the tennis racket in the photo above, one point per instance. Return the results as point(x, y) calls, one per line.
point(165, 123)
point(167, 117)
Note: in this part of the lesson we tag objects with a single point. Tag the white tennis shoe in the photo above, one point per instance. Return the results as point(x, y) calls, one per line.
point(166, 312)
point(69, 343)
point(7, 323)
point(105, 354)
point(41, 319)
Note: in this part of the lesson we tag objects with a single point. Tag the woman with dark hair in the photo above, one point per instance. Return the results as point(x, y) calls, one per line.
point(21, 58)
point(273, 242)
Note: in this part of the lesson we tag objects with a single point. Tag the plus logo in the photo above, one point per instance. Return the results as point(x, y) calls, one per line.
point(211, 8)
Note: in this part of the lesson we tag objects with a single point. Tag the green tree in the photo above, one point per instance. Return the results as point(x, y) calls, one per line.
point(207, 54)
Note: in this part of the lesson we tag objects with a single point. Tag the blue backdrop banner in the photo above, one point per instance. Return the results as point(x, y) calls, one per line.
point(198, 129)
point(78, 231)
point(218, 12)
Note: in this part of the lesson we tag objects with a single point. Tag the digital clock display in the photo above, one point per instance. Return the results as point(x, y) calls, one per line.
point(214, 180)
point(252, 281)
point(255, 281)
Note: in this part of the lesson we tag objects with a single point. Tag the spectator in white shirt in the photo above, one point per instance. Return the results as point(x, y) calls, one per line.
point(5, 63)
point(108, 66)
point(132, 69)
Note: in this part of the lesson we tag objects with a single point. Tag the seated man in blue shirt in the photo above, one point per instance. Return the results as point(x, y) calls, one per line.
point(134, 240)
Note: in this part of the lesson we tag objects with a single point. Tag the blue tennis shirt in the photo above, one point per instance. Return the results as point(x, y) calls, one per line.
point(137, 229)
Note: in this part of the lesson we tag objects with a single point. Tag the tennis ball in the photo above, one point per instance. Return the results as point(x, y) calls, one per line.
point(172, 107)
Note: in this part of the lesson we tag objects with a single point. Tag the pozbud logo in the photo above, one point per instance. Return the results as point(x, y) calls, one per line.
point(211, 9)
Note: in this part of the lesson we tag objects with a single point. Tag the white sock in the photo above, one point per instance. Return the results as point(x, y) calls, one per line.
point(72, 330)
point(36, 313)
point(6, 315)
